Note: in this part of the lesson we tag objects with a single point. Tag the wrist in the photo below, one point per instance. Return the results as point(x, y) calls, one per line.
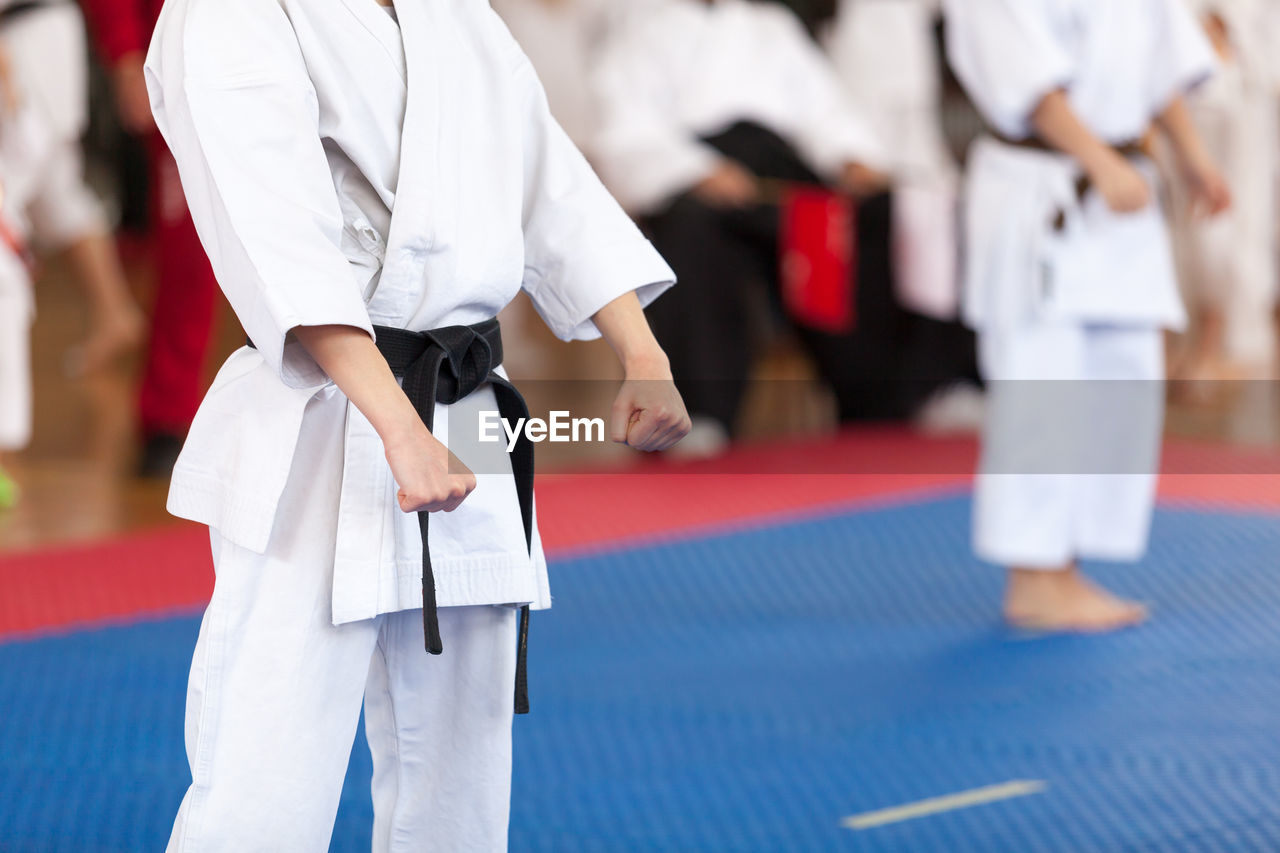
point(647, 363)
point(1196, 162)
point(403, 428)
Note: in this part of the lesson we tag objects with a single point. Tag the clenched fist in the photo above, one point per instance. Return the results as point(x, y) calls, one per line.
point(431, 479)
point(648, 413)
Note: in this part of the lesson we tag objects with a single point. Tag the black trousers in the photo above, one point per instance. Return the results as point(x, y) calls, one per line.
point(723, 258)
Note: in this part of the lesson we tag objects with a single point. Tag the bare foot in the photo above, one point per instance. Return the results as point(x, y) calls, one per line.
point(1065, 601)
point(112, 335)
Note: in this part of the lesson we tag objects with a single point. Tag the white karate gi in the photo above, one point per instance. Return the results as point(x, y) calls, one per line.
point(1228, 262)
point(47, 49)
point(298, 129)
point(1083, 303)
point(16, 309)
point(685, 69)
point(884, 53)
point(28, 156)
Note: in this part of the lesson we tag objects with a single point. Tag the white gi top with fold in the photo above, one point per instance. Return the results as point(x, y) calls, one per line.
point(1121, 64)
point(343, 170)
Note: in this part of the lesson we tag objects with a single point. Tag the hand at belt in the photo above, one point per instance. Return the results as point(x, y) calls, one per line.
point(445, 366)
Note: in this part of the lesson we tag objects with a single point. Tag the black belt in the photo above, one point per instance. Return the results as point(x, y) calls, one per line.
point(445, 366)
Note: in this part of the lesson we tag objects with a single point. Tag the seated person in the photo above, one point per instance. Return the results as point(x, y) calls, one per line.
point(704, 105)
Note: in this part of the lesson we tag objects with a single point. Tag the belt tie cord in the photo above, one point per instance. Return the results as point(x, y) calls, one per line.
point(444, 366)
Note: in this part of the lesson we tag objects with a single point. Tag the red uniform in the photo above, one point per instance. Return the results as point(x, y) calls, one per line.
point(186, 290)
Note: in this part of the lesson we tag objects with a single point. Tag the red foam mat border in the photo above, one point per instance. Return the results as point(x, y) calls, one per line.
point(168, 569)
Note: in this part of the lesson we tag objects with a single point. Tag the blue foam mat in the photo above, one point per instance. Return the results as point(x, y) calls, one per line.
point(745, 692)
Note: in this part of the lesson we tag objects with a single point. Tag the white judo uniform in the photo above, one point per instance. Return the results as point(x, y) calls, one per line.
point(1058, 286)
point(345, 169)
point(47, 49)
point(884, 53)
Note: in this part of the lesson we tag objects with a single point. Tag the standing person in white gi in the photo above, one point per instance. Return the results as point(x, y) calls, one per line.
point(15, 356)
point(16, 303)
point(1228, 264)
point(44, 45)
point(352, 167)
point(34, 180)
point(1070, 277)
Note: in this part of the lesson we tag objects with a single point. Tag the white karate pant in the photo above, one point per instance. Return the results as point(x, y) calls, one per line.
point(276, 690)
point(1071, 445)
point(49, 56)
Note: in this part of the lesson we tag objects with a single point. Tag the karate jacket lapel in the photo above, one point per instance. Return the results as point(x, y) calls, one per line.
point(364, 562)
point(415, 214)
point(381, 27)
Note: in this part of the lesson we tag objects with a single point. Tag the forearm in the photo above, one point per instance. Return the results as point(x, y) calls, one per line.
point(352, 360)
point(624, 327)
point(1058, 125)
point(1179, 128)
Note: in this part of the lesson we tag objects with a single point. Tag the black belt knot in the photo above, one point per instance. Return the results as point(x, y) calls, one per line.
point(462, 357)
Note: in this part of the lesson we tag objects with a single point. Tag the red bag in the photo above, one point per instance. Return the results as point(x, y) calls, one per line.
point(819, 259)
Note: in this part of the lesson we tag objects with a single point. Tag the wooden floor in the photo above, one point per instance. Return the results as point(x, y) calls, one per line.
point(77, 475)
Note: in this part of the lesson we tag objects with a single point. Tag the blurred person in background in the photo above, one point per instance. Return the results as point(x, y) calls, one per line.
point(1228, 264)
point(887, 56)
point(47, 61)
point(706, 106)
point(560, 38)
point(15, 351)
point(16, 303)
point(186, 291)
point(1070, 277)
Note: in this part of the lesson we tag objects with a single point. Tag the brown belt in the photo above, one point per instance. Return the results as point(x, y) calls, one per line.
point(1130, 150)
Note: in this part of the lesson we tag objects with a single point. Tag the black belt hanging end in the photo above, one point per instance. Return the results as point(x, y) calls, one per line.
point(431, 628)
point(430, 613)
point(522, 667)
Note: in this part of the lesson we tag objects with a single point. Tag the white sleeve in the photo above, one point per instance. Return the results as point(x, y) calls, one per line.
point(1007, 56)
point(233, 100)
point(582, 251)
point(644, 156)
point(1185, 58)
point(828, 131)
